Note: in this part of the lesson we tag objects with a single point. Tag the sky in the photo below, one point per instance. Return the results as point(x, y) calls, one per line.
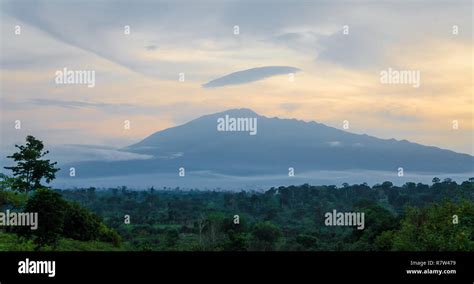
point(164, 71)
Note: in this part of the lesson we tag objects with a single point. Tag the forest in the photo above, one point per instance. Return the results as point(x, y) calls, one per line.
point(413, 217)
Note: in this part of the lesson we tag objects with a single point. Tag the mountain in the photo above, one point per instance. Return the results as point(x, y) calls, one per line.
point(277, 145)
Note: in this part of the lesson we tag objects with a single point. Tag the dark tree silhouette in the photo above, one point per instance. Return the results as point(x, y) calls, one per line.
point(30, 169)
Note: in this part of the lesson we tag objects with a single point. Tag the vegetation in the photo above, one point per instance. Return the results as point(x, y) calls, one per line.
point(30, 169)
point(58, 218)
point(411, 217)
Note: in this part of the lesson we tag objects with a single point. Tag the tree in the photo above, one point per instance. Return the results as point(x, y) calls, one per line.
point(377, 220)
point(445, 226)
point(447, 180)
point(30, 169)
point(6, 182)
point(80, 224)
point(51, 210)
point(59, 218)
point(201, 224)
point(8, 197)
point(266, 236)
point(436, 180)
point(387, 185)
point(237, 241)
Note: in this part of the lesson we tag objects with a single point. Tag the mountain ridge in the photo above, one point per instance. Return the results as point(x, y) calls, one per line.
point(242, 112)
point(278, 145)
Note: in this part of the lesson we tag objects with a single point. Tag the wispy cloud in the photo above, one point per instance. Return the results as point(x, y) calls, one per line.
point(74, 153)
point(290, 106)
point(354, 50)
point(151, 47)
point(394, 115)
point(77, 104)
point(250, 75)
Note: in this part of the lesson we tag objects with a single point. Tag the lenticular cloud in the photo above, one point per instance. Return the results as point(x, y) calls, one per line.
point(250, 75)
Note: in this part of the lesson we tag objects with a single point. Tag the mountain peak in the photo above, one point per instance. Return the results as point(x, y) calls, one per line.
point(238, 112)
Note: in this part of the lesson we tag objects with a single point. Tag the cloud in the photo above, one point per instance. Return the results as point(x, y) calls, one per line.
point(290, 106)
point(250, 75)
point(394, 115)
point(105, 42)
point(297, 25)
point(305, 42)
point(355, 50)
point(180, 112)
point(334, 143)
point(75, 153)
point(75, 104)
point(151, 47)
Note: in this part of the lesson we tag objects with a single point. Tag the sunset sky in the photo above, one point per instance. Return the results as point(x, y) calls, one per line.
point(137, 74)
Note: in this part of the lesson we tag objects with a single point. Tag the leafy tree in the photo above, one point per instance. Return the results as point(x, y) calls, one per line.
point(30, 169)
point(6, 182)
point(377, 220)
point(109, 235)
point(384, 241)
point(387, 185)
point(266, 236)
point(447, 180)
point(58, 218)
point(435, 228)
point(8, 197)
point(80, 224)
point(51, 211)
point(237, 241)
